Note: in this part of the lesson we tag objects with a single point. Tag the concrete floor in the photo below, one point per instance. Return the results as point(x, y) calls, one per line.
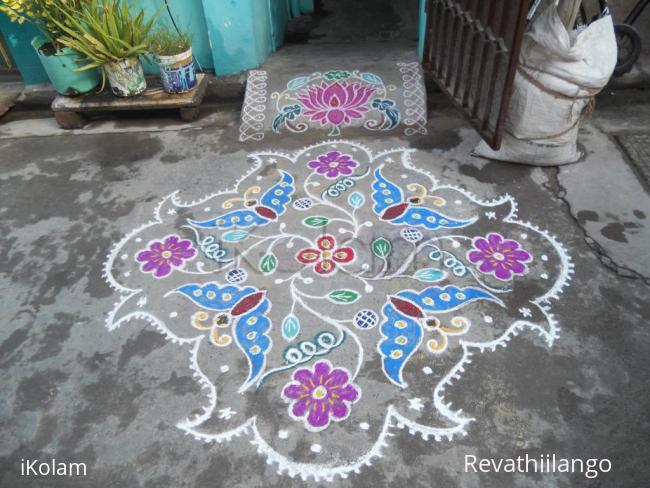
point(339, 21)
point(73, 391)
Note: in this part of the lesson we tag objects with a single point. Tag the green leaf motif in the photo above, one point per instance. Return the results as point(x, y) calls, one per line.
point(234, 236)
point(356, 199)
point(316, 221)
point(430, 275)
point(381, 247)
point(337, 75)
point(268, 263)
point(343, 296)
point(290, 327)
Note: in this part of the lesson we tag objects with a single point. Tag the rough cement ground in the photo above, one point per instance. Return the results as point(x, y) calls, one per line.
point(9, 92)
point(354, 20)
point(73, 391)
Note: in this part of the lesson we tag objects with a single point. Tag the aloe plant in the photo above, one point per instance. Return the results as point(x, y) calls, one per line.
point(104, 31)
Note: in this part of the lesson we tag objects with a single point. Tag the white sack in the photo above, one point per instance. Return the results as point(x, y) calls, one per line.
point(558, 76)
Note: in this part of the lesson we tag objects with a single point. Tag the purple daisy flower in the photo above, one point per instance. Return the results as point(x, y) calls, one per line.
point(333, 164)
point(502, 258)
point(163, 256)
point(320, 395)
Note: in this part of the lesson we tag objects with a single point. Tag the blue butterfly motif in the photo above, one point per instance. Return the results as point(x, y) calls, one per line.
point(445, 299)
point(402, 335)
point(246, 308)
point(390, 205)
point(402, 331)
point(268, 208)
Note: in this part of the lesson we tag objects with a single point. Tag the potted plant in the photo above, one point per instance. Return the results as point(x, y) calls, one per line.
point(60, 62)
point(110, 38)
point(173, 55)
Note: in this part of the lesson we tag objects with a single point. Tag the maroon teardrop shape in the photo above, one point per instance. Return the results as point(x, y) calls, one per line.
point(266, 212)
point(246, 303)
point(407, 307)
point(395, 211)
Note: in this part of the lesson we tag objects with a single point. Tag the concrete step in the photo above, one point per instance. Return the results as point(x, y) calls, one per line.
point(337, 90)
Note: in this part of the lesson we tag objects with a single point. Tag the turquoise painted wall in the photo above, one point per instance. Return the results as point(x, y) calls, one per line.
point(243, 32)
point(279, 19)
point(228, 36)
point(187, 13)
point(189, 16)
point(422, 28)
point(18, 39)
point(307, 7)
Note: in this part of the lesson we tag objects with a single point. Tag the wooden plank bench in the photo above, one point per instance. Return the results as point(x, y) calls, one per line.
point(69, 111)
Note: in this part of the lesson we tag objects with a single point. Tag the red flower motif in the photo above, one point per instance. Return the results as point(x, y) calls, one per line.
point(326, 256)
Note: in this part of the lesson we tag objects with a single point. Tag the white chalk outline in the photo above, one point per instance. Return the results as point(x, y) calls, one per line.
point(393, 418)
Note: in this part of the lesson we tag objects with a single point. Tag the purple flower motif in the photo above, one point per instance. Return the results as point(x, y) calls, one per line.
point(502, 258)
point(336, 103)
point(333, 164)
point(320, 395)
point(163, 256)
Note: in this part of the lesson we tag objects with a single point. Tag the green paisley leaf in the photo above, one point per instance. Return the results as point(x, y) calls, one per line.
point(381, 247)
point(430, 275)
point(290, 327)
point(356, 199)
point(343, 296)
point(268, 263)
point(234, 236)
point(316, 221)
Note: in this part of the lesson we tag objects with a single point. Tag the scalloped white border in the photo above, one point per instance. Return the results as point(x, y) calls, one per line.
point(328, 472)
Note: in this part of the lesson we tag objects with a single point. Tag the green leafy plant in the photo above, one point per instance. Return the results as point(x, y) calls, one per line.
point(45, 15)
point(165, 41)
point(104, 31)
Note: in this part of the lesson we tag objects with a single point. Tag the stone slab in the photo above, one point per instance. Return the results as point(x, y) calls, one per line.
point(323, 89)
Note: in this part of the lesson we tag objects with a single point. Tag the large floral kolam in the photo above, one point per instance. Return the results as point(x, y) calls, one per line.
point(332, 296)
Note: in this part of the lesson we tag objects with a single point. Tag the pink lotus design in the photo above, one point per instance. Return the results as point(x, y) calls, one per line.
point(336, 103)
point(502, 258)
point(320, 395)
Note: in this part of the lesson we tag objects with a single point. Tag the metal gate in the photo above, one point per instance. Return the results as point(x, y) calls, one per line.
point(471, 48)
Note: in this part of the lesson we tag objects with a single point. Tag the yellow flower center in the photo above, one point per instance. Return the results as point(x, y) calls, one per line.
point(319, 393)
point(327, 254)
point(166, 254)
point(498, 256)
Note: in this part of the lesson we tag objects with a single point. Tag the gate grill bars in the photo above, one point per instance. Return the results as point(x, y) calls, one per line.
point(472, 49)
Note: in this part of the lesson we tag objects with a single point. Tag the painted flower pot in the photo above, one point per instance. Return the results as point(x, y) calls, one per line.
point(60, 67)
point(126, 77)
point(177, 73)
